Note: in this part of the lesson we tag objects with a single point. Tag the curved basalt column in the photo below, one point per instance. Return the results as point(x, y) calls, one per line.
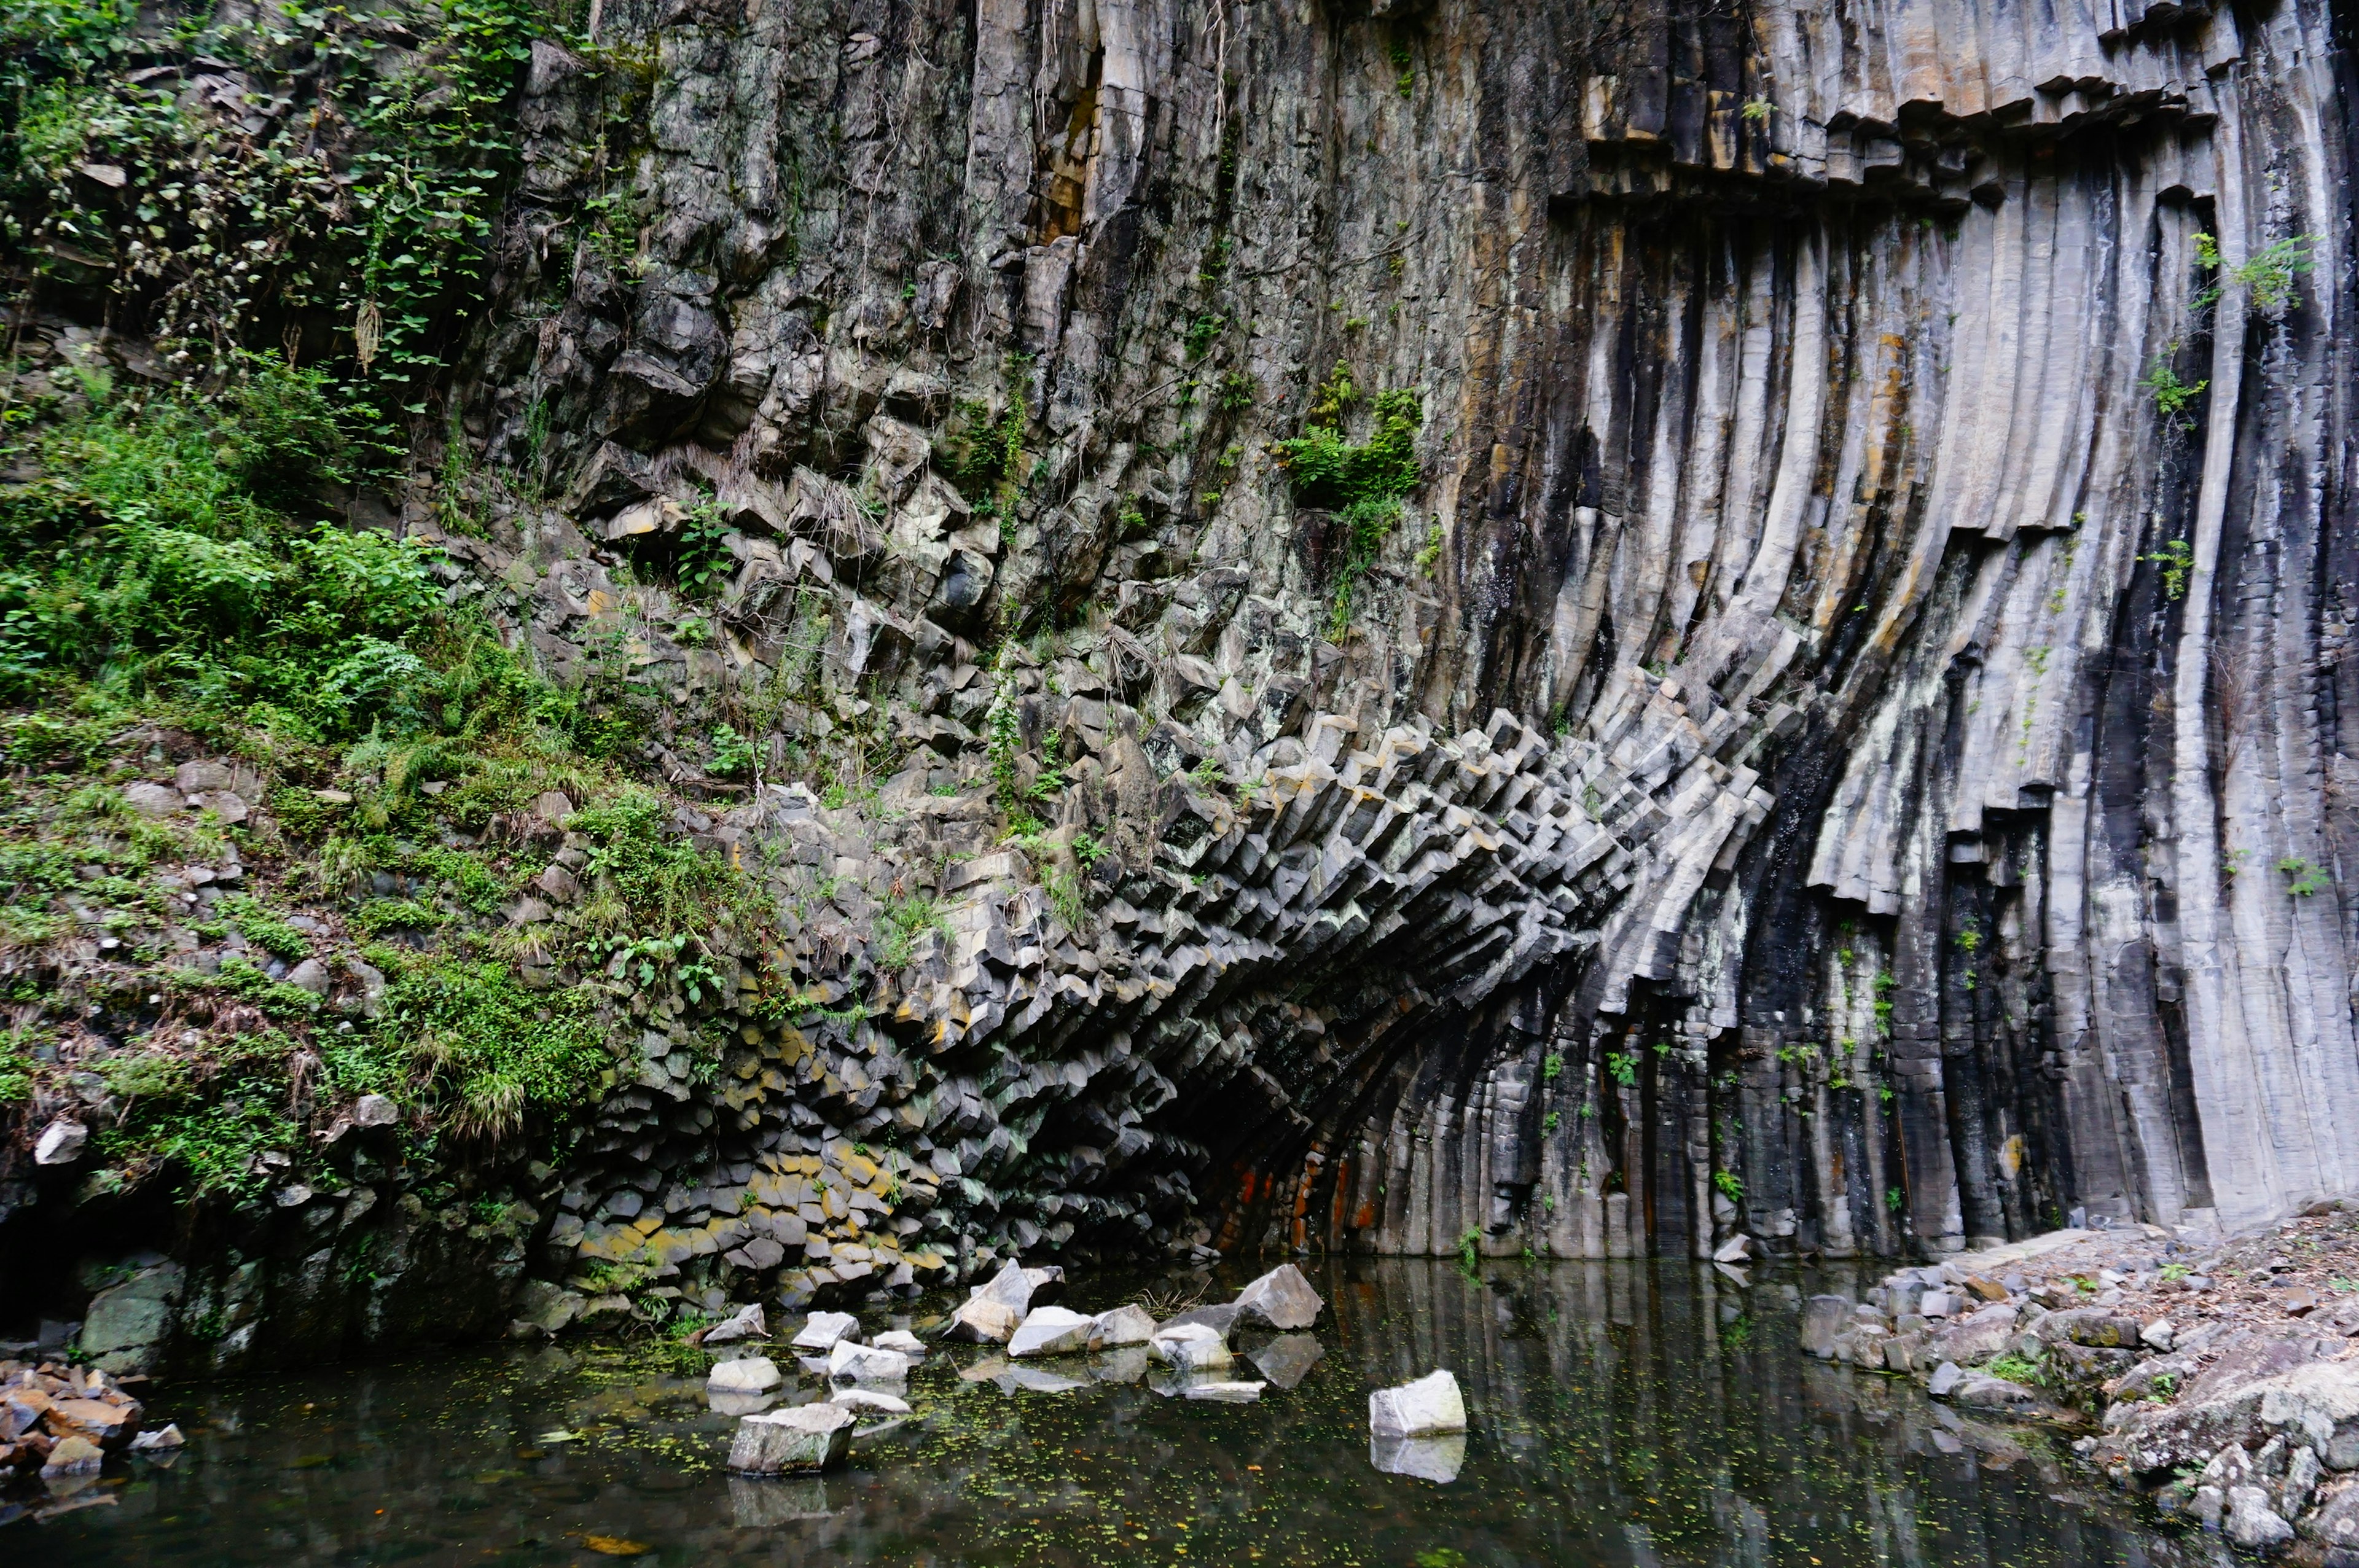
point(1845, 744)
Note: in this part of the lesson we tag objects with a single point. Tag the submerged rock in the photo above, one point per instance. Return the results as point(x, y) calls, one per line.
point(1225, 1393)
point(1426, 1408)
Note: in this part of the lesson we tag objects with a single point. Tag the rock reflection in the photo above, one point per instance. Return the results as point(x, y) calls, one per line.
point(1427, 1458)
point(1623, 1415)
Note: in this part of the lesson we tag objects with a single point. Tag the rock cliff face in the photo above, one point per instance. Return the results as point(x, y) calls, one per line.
point(1597, 626)
point(1844, 741)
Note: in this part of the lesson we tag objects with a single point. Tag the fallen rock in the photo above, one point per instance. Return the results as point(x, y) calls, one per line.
point(61, 1142)
point(2252, 1523)
point(747, 1323)
point(150, 799)
point(1282, 1297)
point(1735, 1249)
point(825, 1330)
point(1426, 1408)
point(1978, 1336)
point(375, 1111)
point(981, 1320)
point(802, 1439)
point(1221, 1319)
point(163, 1439)
point(1051, 1331)
point(1980, 1390)
point(128, 1325)
point(1122, 1325)
point(747, 1375)
point(543, 1308)
point(1011, 1287)
point(851, 1362)
point(73, 1456)
point(1225, 1393)
point(1190, 1347)
point(902, 1342)
point(108, 1426)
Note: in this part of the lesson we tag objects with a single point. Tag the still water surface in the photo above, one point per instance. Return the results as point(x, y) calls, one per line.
point(1624, 1414)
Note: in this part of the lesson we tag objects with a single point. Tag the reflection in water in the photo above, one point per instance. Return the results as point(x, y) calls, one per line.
point(1623, 1414)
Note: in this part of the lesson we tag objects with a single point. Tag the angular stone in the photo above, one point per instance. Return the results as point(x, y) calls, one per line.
point(1282, 1297)
point(61, 1142)
point(852, 1362)
point(108, 1426)
point(1118, 1326)
point(982, 1321)
point(375, 1111)
point(748, 1375)
point(821, 1331)
point(1221, 1319)
point(1190, 1347)
point(1427, 1408)
point(784, 1442)
point(154, 799)
point(127, 1325)
point(1735, 1249)
point(1225, 1393)
point(162, 1440)
point(745, 1324)
point(1051, 1331)
point(2252, 1523)
point(901, 1341)
point(73, 1456)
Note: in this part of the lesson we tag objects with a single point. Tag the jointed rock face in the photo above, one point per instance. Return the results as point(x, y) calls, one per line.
point(1835, 747)
point(1819, 717)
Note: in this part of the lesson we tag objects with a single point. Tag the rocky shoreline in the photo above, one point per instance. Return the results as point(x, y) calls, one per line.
point(2221, 1376)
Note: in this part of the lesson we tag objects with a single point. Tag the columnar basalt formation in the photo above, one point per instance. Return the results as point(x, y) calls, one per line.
point(1845, 744)
point(1840, 741)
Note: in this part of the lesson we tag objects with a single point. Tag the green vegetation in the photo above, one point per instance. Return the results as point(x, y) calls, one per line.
point(1362, 483)
point(2308, 877)
point(2173, 395)
point(2265, 278)
point(370, 206)
point(483, 1050)
point(899, 925)
point(1623, 1066)
point(2015, 1369)
point(1731, 1186)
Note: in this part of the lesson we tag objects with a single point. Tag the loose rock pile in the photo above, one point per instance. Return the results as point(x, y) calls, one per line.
point(2225, 1377)
point(867, 1374)
point(62, 1421)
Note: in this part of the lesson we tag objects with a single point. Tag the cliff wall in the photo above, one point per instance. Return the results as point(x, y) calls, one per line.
point(1473, 626)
